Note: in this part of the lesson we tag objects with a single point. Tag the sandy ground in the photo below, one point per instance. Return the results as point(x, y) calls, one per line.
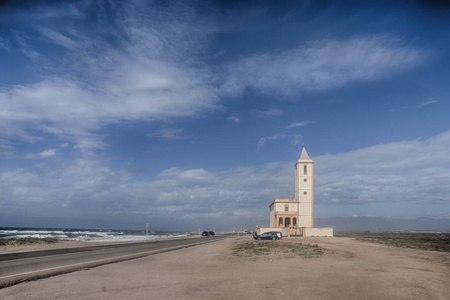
point(349, 269)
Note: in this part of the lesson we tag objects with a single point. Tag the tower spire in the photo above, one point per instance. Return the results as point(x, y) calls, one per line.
point(304, 155)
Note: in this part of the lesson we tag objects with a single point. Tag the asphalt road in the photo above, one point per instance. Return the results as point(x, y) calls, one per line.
point(25, 266)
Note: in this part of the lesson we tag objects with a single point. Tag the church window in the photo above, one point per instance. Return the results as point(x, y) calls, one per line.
point(286, 208)
point(280, 221)
point(305, 180)
point(305, 169)
point(294, 222)
point(304, 193)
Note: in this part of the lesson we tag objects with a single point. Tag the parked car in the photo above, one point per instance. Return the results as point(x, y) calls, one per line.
point(212, 233)
point(268, 236)
point(279, 234)
point(205, 233)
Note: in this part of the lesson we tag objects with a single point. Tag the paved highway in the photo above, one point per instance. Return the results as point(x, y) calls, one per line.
point(19, 267)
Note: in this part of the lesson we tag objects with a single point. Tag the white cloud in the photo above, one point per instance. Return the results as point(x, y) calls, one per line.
point(297, 139)
point(48, 153)
point(31, 54)
point(298, 124)
point(7, 148)
point(423, 104)
point(277, 136)
point(170, 134)
point(5, 144)
point(59, 38)
point(405, 173)
point(410, 172)
point(150, 73)
point(233, 119)
point(188, 177)
point(321, 66)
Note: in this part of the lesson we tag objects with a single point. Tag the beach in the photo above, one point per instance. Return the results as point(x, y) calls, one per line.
point(240, 268)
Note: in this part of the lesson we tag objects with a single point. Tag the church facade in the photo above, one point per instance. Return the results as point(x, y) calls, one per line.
point(295, 217)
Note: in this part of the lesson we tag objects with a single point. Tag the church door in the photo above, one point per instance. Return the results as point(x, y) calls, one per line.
point(287, 222)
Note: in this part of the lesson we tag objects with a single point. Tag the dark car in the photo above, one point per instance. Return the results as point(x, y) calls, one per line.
point(212, 233)
point(279, 234)
point(205, 233)
point(268, 236)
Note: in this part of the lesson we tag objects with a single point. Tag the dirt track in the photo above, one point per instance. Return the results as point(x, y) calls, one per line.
point(348, 269)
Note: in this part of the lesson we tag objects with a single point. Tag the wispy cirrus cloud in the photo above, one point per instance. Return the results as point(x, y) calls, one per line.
point(4, 44)
point(321, 66)
point(274, 137)
point(59, 39)
point(170, 134)
point(423, 104)
point(298, 124)
point(234, 119)
point(139, 69)
point(297, 138)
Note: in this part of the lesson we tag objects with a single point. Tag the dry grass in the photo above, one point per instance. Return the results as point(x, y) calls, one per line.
point(277, 248)
point(422, 241)
point(26, 241)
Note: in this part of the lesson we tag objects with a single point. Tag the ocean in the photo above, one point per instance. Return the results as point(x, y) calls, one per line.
point(87, 235)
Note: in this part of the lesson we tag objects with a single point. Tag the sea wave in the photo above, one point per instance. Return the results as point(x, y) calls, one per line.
point(90, 235)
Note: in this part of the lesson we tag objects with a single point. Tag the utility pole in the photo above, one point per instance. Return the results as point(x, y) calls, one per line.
point(146, 230)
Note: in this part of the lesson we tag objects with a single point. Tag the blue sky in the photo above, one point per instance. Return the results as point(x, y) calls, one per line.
point(191, 114)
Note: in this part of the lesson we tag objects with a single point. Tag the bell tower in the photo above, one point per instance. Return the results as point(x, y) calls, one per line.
point(304, 189)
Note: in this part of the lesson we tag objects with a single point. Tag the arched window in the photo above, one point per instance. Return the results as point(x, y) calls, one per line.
point(305, 169)
point(287, 222)
point(294, 222)
point(280, 221)
point(286, 208)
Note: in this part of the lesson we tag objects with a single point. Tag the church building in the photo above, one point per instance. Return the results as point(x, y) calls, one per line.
point(295, 217)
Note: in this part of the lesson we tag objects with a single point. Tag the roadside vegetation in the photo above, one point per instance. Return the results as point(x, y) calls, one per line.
point(277, 248)
point(26, 241)
point(423, 241)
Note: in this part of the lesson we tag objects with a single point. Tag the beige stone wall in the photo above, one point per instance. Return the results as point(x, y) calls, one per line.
point(292, 207)
point(305, 209)
point(280, 205)
point(272, 217)
point(305, 232)
point(305, 221)
point(323, 231)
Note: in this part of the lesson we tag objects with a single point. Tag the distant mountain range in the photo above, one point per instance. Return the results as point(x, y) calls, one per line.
point(369, 224)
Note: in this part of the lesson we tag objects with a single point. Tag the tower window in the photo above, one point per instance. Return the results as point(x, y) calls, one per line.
point(305, 180)
point(304, 193)
point(305, 169)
